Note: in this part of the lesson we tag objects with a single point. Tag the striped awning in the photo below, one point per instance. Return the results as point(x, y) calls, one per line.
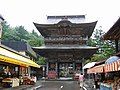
point(115, 66)
point(112, 66)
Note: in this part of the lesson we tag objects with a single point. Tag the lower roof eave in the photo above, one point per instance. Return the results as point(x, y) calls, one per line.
point(80, 47)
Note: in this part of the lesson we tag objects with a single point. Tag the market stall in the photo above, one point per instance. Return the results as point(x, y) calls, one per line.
point(110, 72)
point(14, 67)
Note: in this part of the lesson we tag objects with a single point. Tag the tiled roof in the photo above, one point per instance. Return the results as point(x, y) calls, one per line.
point(19, 46)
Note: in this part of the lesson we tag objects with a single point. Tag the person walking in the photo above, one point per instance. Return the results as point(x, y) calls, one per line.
point(81, 78)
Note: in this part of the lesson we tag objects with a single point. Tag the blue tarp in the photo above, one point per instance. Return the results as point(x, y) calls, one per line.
point(112, 59)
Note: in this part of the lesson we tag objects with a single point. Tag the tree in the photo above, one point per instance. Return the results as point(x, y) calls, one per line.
point(19, 33)
point(35, 40)
point(106, 48)
point(34, 33)
point(8, 32)
point(41, 61)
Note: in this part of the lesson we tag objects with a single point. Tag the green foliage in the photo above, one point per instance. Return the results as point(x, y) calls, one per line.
point(34, 33)
point(106, 48)
point(91, 42)
point(35, 40)
point(19, 33)
point(7, 33)
point(41, 61)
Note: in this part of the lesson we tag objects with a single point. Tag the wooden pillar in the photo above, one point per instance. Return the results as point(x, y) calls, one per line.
point(82, 64)
point(47, 68)
point(0, 32)
point(116, 45)
point(74, 66)
point(56, 68)
point(28, 70)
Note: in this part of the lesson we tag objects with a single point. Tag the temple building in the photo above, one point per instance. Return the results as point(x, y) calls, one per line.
point(65, 44)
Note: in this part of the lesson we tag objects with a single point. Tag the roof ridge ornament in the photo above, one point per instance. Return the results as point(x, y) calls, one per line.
point(64, 22)
point(64, 18)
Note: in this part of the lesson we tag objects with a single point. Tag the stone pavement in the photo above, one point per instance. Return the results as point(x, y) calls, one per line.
point(88, 85)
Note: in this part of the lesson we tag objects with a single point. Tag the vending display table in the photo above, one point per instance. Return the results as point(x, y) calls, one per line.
point(10, 82)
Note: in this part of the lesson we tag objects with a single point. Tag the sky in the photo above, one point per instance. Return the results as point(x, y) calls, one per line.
point(25, 12)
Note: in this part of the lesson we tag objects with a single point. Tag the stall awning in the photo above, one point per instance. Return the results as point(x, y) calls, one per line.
point(15, 58)
point(89, 65)
point(90, 70)
point(112, 66)
point(96, 69)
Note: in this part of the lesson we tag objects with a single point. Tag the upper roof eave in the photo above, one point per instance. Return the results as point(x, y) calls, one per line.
point(43, 28)
point(1, 17)
point(110, 35)
point(51, 25)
